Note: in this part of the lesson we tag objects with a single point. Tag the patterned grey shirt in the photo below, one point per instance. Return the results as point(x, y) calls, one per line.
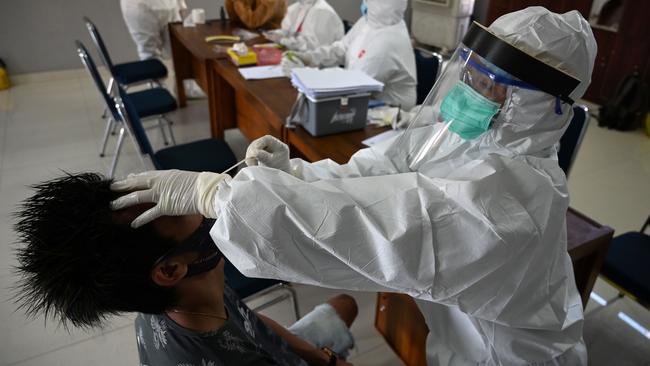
point(243, 340)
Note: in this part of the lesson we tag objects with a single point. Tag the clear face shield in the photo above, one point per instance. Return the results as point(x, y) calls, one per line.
point(471, 92)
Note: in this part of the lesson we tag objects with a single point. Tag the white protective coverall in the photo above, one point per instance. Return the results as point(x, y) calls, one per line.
point(477, 234)
point(379, 45)
point(147, 22)
point(310, 24)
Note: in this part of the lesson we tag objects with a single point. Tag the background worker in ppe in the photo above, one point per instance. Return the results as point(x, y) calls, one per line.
point(256, 14)
point(379, 45)
point(147, 22)
point(308, 25)
point(467, 217)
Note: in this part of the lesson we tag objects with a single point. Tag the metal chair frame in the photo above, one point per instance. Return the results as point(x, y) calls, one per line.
point(289, 293)
point(435, 55)
point(106, 60)
point(112, 123)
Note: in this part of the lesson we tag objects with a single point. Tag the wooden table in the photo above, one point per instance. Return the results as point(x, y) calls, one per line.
point(399, 320)
point(261, 107)
point(256, 107)
point(338, 147)
point(193, 59)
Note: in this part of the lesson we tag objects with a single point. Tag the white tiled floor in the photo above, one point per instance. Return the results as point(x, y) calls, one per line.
point(51, 123)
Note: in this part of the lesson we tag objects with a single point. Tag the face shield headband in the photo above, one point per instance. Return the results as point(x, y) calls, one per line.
point(199, 242)
point(519, 64)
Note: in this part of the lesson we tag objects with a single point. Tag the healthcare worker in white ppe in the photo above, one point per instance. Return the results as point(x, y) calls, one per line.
point(308, 24)
point(147, 22)
point(379, 45)
point(464, 211)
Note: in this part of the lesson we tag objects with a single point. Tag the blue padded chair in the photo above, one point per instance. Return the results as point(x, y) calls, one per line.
point(149, 103)
point(209, 155)
point(427, 66)
point(572, 138)
point(627, 265)
point(204, 155)
point(128, 73)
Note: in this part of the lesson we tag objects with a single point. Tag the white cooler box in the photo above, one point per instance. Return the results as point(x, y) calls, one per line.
point(332, 115)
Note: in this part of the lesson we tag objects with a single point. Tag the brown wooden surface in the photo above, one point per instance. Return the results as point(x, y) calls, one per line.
point(256, 107)
point(338, 147)
point(261, 107)
point(400, 321)
point(193, 57)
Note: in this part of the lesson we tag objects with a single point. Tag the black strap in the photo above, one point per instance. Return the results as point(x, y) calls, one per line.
point(520, 64)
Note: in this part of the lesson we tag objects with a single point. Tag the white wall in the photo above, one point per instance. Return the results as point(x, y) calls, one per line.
point(39, 35)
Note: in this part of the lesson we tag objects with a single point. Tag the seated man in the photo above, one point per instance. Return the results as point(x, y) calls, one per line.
point(82, 262)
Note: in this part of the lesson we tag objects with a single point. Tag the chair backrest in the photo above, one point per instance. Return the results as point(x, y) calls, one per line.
point(346, 26)
point(572, 138)
point(427, 66)
point(91, 67)
point(99, 43)
point(130, 118)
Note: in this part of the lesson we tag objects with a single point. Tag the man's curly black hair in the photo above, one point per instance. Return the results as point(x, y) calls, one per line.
point(78, 263)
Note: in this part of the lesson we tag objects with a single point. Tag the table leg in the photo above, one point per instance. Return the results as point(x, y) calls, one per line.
point(221, 101)
point(182, 66)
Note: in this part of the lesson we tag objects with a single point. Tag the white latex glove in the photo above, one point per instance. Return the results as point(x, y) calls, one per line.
point(270, 152)
point(175, 192)
point(290, 61)
point(275, 35)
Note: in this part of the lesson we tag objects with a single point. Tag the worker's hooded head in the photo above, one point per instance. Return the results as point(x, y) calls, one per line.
point(508, 89)
point(383, 13)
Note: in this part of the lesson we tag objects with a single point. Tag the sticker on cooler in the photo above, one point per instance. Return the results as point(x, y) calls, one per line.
point(344, 116)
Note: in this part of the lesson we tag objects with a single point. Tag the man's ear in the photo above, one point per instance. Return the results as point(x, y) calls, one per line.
point(168, 273)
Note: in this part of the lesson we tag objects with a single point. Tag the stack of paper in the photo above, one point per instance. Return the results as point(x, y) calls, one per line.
point(261, 72)
point(319, 84)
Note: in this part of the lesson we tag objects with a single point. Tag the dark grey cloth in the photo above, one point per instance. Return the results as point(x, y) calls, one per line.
point(243, 340)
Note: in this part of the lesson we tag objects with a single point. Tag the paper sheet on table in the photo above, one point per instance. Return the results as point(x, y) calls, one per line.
point(261, 72)
point(381, 137)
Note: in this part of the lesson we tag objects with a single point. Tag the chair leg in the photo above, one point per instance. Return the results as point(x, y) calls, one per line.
point(118, 148)
point(109, 91)
point(294, 300)
point(162, 130)
point(169, 123)
point(114, 129)
point(107, 131)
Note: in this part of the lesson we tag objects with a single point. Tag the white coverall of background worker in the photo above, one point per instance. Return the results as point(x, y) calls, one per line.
point(147, 22)
point(465, 211)
point(379, 45)
point(308, 25)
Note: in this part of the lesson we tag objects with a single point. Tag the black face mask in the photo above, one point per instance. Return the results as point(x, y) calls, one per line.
point(199, 242)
